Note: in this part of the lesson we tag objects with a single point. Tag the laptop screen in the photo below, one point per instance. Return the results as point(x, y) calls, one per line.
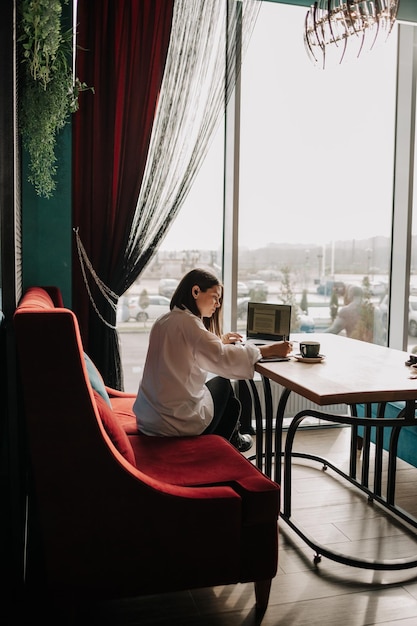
point(268, 321)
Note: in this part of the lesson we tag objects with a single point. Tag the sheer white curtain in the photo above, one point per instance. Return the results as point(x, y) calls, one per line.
point(205, 40)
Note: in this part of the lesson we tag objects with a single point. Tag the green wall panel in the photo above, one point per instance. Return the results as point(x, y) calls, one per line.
point(46, 223)
point(46, 226)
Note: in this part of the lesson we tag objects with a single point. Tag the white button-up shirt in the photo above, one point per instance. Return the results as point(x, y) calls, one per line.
point(173, 399)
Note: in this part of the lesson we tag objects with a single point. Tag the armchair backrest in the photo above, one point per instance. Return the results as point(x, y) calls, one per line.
point(58, 397)
point(161, 521)
point(78, 474)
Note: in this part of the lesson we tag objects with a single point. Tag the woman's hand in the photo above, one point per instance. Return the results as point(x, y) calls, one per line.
point(231, 338)
point(281, 348)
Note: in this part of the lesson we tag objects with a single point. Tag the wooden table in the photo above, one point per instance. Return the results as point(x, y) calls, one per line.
point(353, 372)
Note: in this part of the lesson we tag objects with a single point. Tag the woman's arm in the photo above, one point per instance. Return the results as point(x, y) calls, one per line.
point(231, 338)
point(281, 348)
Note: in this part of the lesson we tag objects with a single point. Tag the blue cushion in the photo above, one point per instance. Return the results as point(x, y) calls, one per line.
point(96, 380)
point(407, 442)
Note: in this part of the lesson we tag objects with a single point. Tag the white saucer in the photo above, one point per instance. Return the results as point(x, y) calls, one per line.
point(304, 359)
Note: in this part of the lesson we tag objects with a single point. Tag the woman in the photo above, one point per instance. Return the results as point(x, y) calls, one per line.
point(175, 398)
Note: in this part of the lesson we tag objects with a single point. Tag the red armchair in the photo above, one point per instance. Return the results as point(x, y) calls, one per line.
point(122, 514)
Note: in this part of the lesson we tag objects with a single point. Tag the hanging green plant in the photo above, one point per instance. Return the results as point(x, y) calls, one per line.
point(48, 91)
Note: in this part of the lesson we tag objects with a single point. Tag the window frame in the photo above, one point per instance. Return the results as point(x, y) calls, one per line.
point(403, 196)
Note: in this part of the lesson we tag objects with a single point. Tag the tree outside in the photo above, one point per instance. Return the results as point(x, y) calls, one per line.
point(288, 297)
point(144, 301)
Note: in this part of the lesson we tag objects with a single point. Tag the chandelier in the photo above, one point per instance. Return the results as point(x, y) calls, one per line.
point(335, 29)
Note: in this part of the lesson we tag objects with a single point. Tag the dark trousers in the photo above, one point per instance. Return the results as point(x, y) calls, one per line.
point(227, 408)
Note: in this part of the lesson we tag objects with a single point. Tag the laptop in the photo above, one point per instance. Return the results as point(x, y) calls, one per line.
point(268, 322)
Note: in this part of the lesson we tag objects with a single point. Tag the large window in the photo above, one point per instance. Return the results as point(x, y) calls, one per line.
point(316, 186)
point(317, 154)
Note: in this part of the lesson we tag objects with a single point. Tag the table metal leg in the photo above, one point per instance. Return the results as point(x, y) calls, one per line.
point(265, 452)
point(395, 424)
point(379, 447)
point(259, 457)
point(268, 426)
point(366, 447)
point(279, 423)
point(268, 446)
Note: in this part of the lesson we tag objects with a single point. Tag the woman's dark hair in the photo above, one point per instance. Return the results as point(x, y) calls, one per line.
point(183, 297)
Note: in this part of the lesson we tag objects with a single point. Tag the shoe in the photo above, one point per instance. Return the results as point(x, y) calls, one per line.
point(243, 443)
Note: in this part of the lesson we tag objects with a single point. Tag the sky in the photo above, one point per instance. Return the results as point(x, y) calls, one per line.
point(316, 146)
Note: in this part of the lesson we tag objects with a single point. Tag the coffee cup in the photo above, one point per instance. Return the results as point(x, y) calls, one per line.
point(309, 349)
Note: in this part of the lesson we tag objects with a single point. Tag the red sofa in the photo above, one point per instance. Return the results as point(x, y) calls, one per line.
point(122, 514)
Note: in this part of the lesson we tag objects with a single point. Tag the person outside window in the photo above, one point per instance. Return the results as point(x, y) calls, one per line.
point(176, 396)
point(334, 304)
point(348, 316)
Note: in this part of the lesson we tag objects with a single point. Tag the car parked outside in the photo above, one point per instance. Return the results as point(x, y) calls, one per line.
point(122, 312)
point(412, 314)
point(157, 306)
point(383, 310)
point(242, 308)
point(242, 290)
point(307, 324)
point(270, 274)
point(378, 288)
point(167, 286)
point(326, 288)
point(258, 290)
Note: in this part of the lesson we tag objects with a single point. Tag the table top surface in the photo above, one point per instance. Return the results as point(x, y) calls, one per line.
point(352, 372)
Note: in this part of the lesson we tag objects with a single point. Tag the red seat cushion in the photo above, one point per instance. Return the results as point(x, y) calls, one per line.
point(208, 460)
point(114, 429)
point(123, 409)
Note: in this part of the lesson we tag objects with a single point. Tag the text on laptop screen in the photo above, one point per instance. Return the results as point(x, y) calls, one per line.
point(268, 320)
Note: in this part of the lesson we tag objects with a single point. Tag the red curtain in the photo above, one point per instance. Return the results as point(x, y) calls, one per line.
point(122, 47)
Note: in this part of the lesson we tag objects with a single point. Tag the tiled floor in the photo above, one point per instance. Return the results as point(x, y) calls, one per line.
point(327, 594)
